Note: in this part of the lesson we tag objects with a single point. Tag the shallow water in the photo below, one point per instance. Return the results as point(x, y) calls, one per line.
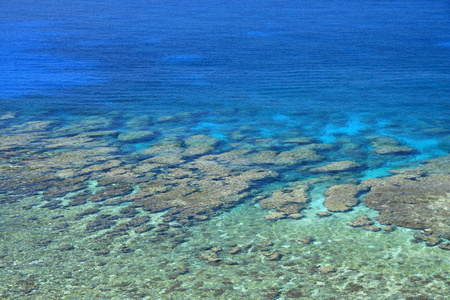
point(141, 159)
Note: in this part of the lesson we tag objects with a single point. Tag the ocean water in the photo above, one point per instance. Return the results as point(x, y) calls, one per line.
point(146, 144)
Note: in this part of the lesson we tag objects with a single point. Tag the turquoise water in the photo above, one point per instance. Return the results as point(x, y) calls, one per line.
point(146, 146)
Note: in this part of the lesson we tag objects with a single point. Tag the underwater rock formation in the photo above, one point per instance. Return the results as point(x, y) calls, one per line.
point(276, 215)
point(361, 221)
point(341, 198)
point(287, 203)
point(339, 166)
point(203, 188)
point(414, 199)
point(386, 145)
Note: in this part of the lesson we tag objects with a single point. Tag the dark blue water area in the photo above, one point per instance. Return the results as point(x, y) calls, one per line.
point(29, 67)
point(328, 68)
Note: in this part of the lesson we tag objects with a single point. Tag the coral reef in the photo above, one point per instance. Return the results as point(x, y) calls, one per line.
point(413, 199)
point(341, 198)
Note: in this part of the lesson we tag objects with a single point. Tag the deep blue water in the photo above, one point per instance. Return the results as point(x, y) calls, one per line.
point(313, 63)
point(327, 68)
point(283, 55)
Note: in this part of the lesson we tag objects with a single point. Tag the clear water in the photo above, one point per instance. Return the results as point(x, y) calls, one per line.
point(253, 75)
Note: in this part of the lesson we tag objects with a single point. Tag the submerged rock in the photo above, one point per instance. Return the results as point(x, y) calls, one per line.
point(360, 222)
point(267, 244)
point(182, 270)
point(339, 166)
point(216, 249)
point(429, 239)
point(210, 257)
point(417, 202)
point(273, 256)
point(444, 246)
point(144, 228)
point(138, 221)
point(276, 215)
point(372, 228)
point(100, 223)
point(200, 145)
point(166, 119)
point(295, 216)
point(54, 204)
point(140, 122)
point(110, 191)
point(306, 240)
point(235, 250)
point(341, 198)
point(296, 156)
point(394, 150)
point(89, 211)
point(297, 196)
point(66, 247)
point(433, 241)
point(322, 214)
point(129, 211)
point(388, 229)
point(136, 136)
point(162, 148)
point(121, 229)
point(199, 193)
point(326, 269)
point(264, 157)
point(385, 145)
point(201, 140)
point(8, 115)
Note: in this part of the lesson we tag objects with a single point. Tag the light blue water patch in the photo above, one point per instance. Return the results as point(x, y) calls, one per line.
point(428, 148)
point(327, 136)
point(375, 173)
point(266, 133)
point(280, 117)
point(381, 123)
point(422, 145)
point(316, 205)
point(218, 135)
point(352, 127)
point(204, 125)
point(214, 130)
point(142, 146)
